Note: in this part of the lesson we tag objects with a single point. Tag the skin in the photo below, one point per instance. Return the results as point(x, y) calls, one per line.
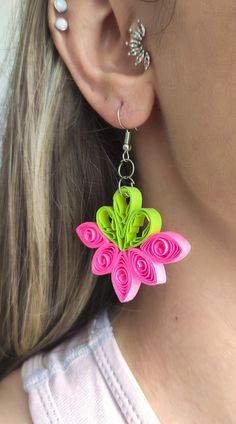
point(179, 339)
point(13, 401)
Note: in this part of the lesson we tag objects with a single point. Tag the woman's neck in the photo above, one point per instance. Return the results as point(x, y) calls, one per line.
point(179, 338)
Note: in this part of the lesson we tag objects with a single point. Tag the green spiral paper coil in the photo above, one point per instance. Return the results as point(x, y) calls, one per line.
point(127, 224)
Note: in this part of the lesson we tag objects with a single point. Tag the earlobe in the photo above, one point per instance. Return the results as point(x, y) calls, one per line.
point(108, 67)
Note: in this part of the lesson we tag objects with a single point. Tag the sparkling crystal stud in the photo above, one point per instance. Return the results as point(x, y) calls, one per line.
point(136, 45)
point(60, 6)
point(61, 24)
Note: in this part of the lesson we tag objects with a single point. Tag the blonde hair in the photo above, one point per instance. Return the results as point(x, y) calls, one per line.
point(59, 164)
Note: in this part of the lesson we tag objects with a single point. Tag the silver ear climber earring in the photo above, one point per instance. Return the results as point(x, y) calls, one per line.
point(136, 45)
point(61, 23)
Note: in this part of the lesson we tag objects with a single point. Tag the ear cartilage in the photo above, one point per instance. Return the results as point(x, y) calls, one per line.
point(61, 24)
point(60, 6)
point(136, 45)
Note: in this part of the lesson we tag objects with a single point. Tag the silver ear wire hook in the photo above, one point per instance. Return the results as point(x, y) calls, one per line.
point(119, 120)
point(125, 157)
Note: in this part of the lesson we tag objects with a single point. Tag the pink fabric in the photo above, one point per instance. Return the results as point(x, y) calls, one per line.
point(85, 380)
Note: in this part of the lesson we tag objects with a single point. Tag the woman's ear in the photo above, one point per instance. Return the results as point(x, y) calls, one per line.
point(93, 49)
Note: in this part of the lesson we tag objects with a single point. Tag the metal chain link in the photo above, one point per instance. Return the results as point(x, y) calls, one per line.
point(125, 157)
point(126, 160)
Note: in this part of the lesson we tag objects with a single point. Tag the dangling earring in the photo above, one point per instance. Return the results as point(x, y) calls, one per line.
point(128, 238)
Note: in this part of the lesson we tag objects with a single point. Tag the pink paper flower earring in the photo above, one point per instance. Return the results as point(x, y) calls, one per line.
point(128, 238)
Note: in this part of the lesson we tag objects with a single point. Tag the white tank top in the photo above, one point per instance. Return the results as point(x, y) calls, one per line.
point(85, 380)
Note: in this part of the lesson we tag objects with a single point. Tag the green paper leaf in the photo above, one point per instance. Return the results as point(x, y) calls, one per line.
point(127, 224)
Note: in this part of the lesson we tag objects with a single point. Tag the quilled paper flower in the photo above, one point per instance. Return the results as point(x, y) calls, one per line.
point(130, 244)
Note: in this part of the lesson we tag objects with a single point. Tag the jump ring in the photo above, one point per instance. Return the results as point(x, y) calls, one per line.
point(125, 156)
point(132, 168)
point(122, 178)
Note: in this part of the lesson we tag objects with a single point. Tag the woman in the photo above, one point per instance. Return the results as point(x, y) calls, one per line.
point(171, 358)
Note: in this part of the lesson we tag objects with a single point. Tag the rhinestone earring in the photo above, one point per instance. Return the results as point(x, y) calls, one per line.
point(136, 45)
point(61, 23)
point(60, 6)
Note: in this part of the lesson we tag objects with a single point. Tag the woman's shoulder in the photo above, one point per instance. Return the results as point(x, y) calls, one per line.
point(66, 383)
point(85, 379)
point(70, 354)
point(13, 400)
point(53, 386)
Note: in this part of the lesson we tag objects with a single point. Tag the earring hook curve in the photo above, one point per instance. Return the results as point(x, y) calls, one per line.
point(120, 122)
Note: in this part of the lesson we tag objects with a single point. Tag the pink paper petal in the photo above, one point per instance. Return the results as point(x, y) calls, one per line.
point(166, 247)
point(160, 273)
point(104, 258)
point(125, 284)
point(90, 234)
point(142, 266)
